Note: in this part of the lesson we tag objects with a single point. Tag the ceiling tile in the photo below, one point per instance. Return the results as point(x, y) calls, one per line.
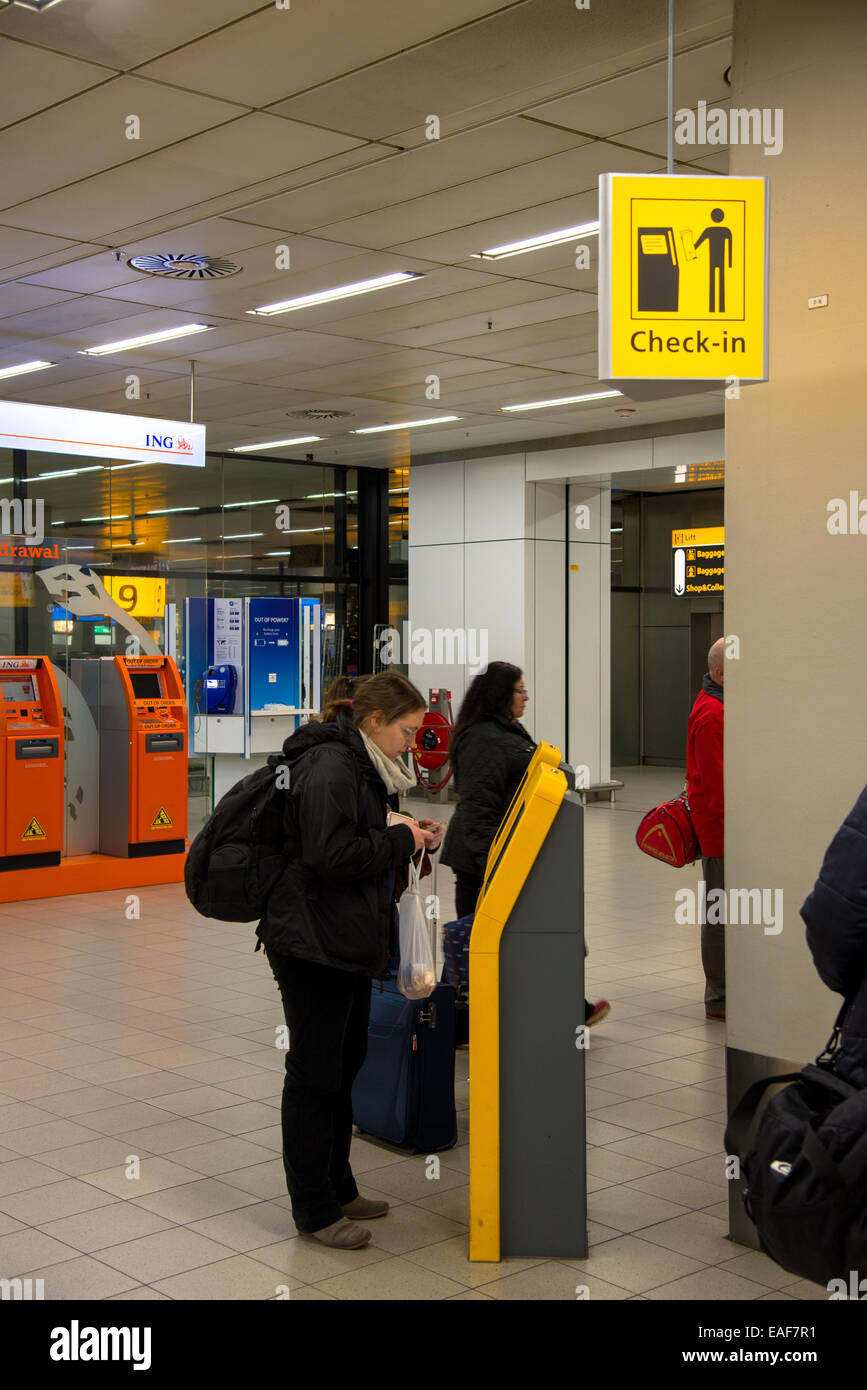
point(275, 53)
point(245, 150)
point(122, 35)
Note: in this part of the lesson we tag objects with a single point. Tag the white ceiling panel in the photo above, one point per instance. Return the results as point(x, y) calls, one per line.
point(538, 312)
point(121, 33)
point(443, 308)
point(275, 53)
point(637, 98)
point(538, 182)
point(20, 298)
point(655, 139)
point(438, 164)
point(87, 133)
point(34, 78)
point(20, 249)
point(532, 44)
point(246, 150)
point(274, 359)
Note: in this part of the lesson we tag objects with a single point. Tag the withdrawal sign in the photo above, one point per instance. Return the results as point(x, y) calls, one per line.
point(682, 278)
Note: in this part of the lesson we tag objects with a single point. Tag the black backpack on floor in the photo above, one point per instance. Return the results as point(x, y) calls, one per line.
point(806, 1169)
point(240, 852)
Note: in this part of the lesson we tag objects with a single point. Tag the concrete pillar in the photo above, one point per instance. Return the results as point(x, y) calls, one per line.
point(796, 733)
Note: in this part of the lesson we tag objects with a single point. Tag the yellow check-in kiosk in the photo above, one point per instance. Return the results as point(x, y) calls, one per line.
point(528, 1184)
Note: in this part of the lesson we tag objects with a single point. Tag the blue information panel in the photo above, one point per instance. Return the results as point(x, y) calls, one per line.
point(275, 675)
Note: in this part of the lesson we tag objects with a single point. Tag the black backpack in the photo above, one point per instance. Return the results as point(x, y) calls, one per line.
point(240, 852)
point(806, 1169)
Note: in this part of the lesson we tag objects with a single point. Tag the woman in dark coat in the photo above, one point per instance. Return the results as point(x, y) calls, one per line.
point(490, 752)
point(836, 917)
point(326, 934)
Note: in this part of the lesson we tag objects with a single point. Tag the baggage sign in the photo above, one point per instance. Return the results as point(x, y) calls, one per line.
point(683, 278)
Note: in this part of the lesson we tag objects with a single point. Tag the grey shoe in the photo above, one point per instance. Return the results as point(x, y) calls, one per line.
point(341, 1235)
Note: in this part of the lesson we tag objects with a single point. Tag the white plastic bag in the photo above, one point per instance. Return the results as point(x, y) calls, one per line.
point(416, 977)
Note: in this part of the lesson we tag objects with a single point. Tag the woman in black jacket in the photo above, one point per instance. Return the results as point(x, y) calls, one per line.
point(490, 752)
point(836, 917)
point(326, 934)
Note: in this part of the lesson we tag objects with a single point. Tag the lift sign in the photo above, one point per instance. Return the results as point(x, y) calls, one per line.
point(682, 278)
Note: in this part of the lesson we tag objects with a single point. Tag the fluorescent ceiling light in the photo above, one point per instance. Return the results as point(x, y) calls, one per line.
point(125, 344)
point(145, 463)
point(242, 535)
point(278, 552)
point(37, 4)
point(25, 367)
point(182, 540)
point(564, 400)
point(276, 444)
point(118, 516)
point(69, 472)
point(255, 502)
point(164, 511)
point(306, 301)
point(398, 489)
point(536, 243)
point(305, 530)
point(406, 425)
point(311, 496)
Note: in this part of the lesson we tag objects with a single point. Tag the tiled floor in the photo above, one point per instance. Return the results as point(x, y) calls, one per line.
point(151, 1038)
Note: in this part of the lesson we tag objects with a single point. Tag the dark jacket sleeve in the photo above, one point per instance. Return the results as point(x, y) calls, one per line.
point(326, 800)
point(836, 910)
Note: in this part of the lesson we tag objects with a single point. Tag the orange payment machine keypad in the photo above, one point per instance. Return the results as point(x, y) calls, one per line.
point(31, 770)
point(141, 717)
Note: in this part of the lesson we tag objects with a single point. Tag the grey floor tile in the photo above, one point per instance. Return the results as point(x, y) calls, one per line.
point(112, 1225)
point(407, 1180)
point(26, 1250)
point(714, 1285)
point(79, 1160)
point(248, 1228)
point(221, 1154)
point(634, 1264)
point(451, 1258)
point(51, 1201)
point(553, 1280)
point(697, 1234)
point(677, 1187)
point(194, 1201)
point(153, 1175)
point(21, 1174)
point(390, 1280)
point(161, 1255)
point(238, 1277)
point(261, 1179)
point(628, 1210)
point(83, 1278)
point(307, 1261)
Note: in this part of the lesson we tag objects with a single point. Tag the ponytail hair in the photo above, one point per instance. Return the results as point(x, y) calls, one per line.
point(389, 693)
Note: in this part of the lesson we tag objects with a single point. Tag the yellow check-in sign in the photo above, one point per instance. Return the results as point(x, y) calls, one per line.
point(682, 278)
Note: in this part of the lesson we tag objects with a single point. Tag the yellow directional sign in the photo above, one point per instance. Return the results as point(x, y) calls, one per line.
point(682, 278)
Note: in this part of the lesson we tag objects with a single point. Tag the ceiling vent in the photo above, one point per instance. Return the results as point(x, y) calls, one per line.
point(185, 266)
point(320, 415)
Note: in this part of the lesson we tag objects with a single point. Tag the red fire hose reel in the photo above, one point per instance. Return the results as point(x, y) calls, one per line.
point(430, 752)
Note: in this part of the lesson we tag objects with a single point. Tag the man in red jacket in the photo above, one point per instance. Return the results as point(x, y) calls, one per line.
point(704, 789)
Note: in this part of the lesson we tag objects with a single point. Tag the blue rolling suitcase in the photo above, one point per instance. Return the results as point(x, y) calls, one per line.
point(405, 1092)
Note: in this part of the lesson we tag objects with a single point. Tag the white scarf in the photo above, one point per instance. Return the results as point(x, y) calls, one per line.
point(392, 772)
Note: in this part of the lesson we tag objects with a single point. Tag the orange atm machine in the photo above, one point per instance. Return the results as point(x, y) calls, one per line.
point(141, 717)
point(31, 772)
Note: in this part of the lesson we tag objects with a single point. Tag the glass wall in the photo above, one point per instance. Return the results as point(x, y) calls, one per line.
point(125, 544)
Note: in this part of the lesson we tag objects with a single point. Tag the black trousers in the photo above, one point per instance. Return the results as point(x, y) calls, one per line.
point(327, 1013)
point(467, 889)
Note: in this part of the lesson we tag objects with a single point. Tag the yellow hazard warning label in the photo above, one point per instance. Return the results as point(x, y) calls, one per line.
point(34, 831)
point(160, 820)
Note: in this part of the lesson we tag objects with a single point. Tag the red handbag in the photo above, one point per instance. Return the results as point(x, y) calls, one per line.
point(667, 833)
